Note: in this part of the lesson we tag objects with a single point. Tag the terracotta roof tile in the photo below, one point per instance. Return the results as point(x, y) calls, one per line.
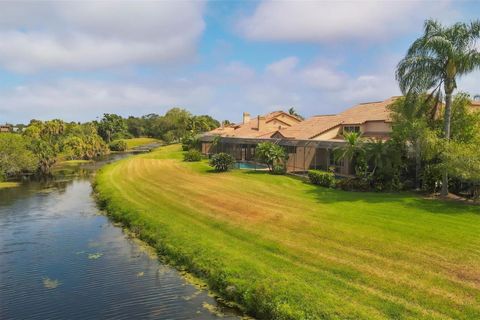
point(250, 129)
point(361, 113)
point(371, 111)
point(475, 105)
point(311, 127)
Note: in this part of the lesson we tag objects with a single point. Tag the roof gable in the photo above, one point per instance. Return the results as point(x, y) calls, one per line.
point(370, 111)
point(251, 128)
point(359, 114)
point(311, 127)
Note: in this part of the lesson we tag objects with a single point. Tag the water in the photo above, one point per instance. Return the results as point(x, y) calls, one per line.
point(249, 166)
point(60, 258)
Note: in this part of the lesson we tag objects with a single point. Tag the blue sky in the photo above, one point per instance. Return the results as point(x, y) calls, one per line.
point(78, 60)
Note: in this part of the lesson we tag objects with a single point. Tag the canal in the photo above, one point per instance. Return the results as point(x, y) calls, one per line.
point(61, 258)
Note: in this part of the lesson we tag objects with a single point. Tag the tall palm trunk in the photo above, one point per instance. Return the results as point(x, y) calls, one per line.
point(448, 113)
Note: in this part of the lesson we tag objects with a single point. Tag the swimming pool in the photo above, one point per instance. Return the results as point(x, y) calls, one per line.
point(250, 166)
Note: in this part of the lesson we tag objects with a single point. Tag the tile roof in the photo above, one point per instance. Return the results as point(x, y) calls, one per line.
point(370, 111)
point(361, 113)
point(311, 127)
point(251, 130)
point(475, 105)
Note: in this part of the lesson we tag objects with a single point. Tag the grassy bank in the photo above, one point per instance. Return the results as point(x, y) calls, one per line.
point(5, 185)
point(285, 249)
point(137, 142)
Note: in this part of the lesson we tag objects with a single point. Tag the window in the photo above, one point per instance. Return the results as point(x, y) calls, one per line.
point(351, 129)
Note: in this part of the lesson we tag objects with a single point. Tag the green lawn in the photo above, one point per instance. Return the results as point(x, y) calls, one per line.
point(285, 249)
point(136, 142)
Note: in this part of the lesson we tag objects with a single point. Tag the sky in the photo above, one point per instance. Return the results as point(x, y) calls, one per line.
point(78, 60)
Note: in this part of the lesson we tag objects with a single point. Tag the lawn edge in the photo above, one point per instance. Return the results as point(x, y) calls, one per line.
point(188, 271)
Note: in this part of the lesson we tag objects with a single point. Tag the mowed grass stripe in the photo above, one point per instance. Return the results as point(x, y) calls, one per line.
point(249, 243)
point(328, 253)
point(156, 183)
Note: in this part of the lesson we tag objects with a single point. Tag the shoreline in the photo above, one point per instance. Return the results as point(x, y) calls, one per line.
point(186, 273)
point(295, 245)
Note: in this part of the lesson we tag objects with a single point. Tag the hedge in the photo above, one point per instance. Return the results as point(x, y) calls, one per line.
point(322, 178)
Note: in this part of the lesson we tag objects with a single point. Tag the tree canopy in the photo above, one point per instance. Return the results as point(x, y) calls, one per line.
point(436, 60)
point(15, 157)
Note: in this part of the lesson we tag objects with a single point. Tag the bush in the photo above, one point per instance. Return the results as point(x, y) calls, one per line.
point(121, 135)
point(222, 161)
point(270, 154)
point(192, 156)
point(190, 142)
point(322, 178)
point(354, 184)
point(118, 145)
point(279, 169)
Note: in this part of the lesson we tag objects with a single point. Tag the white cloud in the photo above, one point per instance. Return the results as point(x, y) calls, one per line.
point(89, 35)
point(319, 21)
point(282, 67)
point(323, 77)
point(316, 88)
point(225, 92)
point(76, 100)
point(237, 71)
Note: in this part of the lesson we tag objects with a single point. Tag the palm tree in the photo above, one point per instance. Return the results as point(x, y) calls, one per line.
point(409, 116)
point(354, 147)
point(196, 124)
point(436, 60)
point(294, 112)
point(377, 153)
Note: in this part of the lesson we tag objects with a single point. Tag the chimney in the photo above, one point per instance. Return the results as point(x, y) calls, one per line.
point(261, 122)
point(246, 117)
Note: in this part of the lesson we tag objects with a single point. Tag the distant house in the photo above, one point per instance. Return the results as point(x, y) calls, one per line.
point(475, 105)
point(260, 127)
point(309, 143)
point(5, 128)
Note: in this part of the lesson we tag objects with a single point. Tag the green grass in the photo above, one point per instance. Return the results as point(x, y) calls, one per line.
point(5, 185)
point(69, 163)
point(137, 142)
point(285, 249)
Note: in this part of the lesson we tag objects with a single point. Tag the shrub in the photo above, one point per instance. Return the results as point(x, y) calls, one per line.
point(190, 142)
point(118, 145)
point(192, 156)
point(270, 154)
point(222, 161)
point(353, 184)
point(121, 135)
point(279, 169)
point(322, 178)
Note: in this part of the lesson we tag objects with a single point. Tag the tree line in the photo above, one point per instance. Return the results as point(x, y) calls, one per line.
point(41, 144)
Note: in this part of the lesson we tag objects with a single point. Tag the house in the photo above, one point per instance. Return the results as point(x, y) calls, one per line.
point(475, 105)
point(257, 128)
point(5, 128)
point(310, 144)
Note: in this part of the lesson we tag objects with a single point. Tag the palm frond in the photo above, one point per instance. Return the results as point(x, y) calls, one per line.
point(418, 73)
point(432, 26)
point(439, 46)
